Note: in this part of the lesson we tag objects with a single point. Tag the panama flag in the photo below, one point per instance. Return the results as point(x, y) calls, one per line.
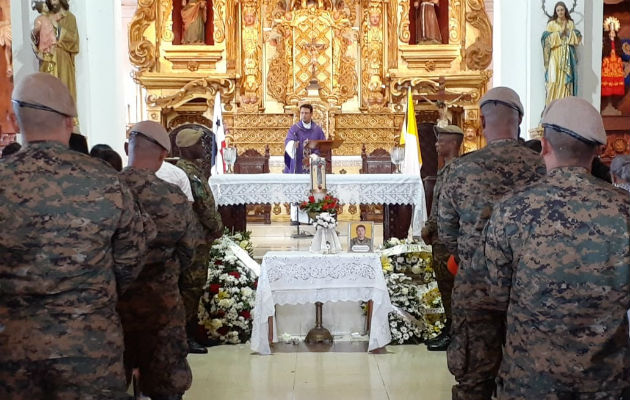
point(219, 136)
point(409, 138)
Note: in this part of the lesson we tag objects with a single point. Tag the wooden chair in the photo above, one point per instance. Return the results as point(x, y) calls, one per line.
point(252, 162)
point(377, 162)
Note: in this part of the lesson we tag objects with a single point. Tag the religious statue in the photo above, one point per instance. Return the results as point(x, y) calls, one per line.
point(559, 54)
point(251, 54)
point(194, 17)
point(55, 40)
point(613, 83)
point(427, 25)
point(6, 39)
point(373, 54)
point(44, 37)
point(470, 139)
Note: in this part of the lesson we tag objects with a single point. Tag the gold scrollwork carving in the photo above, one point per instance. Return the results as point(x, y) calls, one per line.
point(141, 51)
point(205, 87)
point(279, 68)
point(218, 7)
point(403, 32)
point(165, 21)
point(455, 23)
point(479, 54)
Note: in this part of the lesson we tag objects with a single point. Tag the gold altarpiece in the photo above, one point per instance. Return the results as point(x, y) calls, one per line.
point(267, 52)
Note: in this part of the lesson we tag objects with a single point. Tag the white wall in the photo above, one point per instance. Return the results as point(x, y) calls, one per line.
point(518, 58)
point(99, 72)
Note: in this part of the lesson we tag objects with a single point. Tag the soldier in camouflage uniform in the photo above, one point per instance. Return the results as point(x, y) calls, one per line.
point(192, 152)
point(474, 183)
point(448, 144)
point(71, 241)
point(556, 263)
point(152, 310)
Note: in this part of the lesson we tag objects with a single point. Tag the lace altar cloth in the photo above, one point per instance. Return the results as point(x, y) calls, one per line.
point(296, 277)
point(232, 189)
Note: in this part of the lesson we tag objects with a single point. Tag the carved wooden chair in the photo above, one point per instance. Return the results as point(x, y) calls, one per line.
point(252, 162)
point(377, 162)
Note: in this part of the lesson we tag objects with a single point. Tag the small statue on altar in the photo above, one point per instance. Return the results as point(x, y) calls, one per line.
point(194, 17)
point(427, 25)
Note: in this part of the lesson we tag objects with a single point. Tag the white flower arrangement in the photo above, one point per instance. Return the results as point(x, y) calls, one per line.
point(419, 314)
point(230, 292)
point(325, 221)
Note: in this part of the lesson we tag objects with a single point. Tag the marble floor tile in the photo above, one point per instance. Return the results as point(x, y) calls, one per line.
point(399, 373)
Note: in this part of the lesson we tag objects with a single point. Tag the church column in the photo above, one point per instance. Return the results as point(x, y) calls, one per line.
point(99, 76)
point(518, 57)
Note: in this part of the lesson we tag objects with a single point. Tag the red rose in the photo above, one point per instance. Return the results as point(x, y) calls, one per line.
point(311, 199)
point(218, 262)
point(245, 314)
point(214, 288)
point(256, 284)
point(223, 330)
point(303, 204)
point(234, 274)
point(220, 313)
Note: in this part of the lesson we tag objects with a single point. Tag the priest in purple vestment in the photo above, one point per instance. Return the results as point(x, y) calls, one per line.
point(304, 130)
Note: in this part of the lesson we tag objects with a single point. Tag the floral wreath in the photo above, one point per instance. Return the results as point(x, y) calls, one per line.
point(612, 22)
point(544, 8)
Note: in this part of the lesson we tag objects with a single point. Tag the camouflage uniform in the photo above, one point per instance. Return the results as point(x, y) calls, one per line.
point(152, 310)
point(71, 241)
point(210, 219)
point(475, 182)
point(440, 254)
point(557, 262)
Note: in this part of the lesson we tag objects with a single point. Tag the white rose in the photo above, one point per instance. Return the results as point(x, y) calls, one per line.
point(415, 269)
point(405, 291)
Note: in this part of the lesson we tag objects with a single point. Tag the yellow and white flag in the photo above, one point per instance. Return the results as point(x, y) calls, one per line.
point(409, 138)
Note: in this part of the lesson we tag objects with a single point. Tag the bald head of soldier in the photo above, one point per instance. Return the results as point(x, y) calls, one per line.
point(501, 114)
point(573, 133)
point(149, 145)
point(44, 108)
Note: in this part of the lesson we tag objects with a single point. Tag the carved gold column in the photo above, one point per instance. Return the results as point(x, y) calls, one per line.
point(372, 55)
point(252, 55)
point(231, 26)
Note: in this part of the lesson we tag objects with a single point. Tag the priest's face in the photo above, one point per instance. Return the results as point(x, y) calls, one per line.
point(360, 232)
point(305, 115)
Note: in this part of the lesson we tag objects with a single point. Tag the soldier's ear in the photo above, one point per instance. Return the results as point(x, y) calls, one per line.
point(546, 147)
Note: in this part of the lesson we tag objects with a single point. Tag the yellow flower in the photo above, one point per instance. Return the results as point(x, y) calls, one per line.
point(387, 266)
point(223, 294)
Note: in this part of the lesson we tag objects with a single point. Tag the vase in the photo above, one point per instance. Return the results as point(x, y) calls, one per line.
point(326, 241)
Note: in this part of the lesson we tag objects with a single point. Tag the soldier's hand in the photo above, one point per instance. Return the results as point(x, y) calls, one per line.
point(426, 236)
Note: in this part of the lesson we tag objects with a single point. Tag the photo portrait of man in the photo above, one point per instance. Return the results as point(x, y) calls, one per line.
point(360, 237)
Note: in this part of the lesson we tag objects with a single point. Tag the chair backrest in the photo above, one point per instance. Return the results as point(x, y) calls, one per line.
point(377, 162)
point(252, 162)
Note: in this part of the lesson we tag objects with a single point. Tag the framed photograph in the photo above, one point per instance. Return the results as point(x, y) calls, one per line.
point(361, 236)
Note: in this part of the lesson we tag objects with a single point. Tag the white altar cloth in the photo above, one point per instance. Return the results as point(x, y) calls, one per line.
point(295, 277)
point(232, 189)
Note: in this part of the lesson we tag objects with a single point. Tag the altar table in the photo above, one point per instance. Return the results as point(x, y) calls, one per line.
point(296, 277)
point(389, 189)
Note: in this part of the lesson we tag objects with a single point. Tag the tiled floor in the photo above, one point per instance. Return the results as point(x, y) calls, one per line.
point(401, 373)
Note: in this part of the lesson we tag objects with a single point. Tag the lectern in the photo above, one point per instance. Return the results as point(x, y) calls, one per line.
point(325, 148)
